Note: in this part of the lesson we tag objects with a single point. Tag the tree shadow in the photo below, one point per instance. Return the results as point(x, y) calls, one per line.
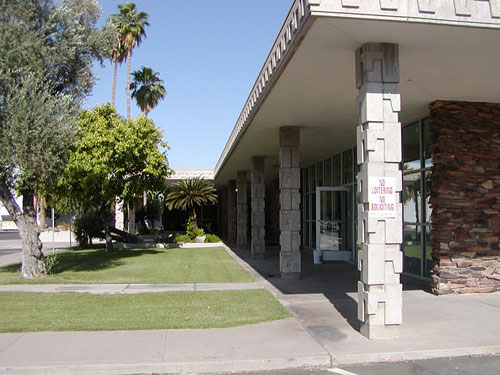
point(88, 260)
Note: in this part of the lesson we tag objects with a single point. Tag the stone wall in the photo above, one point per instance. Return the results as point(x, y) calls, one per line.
point(465, 197)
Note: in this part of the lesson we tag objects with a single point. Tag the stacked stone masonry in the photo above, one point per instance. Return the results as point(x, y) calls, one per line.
point(379, 154)
point(289, 183)
point(465, 197)
point(258, 202)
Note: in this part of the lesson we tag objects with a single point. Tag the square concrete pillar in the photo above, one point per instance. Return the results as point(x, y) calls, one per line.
point(380, 222)
point(241, 210)
point(258, 216)
point(289, 184)
point(231, 212)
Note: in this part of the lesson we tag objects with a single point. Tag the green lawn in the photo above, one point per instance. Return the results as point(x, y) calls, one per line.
point(137, 266)
point(37, 312)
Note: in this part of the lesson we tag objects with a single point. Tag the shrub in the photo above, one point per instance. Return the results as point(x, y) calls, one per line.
point(182, 238)
point(195, 232)
point(50, 261)
point(212, 238)
point(88, 225)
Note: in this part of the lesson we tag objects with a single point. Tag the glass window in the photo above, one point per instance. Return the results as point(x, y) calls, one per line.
point(313, 234)
point(328, 172)
point(428, 252)
point(306, 180)
point(411, 147)
point(313, 206)
point(348, 167)
point(319, 169)
point(308, 234)
point(411, 198)
point(307, 206)
point(313, 178)
point(337, 170)
point(412, 249)
point(427, 196)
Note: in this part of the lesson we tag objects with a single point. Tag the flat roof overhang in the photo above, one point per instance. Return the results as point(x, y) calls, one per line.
point(315, 86)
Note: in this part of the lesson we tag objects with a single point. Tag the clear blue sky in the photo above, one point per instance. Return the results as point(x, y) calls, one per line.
point(209, 53)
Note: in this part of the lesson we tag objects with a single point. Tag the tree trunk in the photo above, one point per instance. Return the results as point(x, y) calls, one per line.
point(129, 57)
point(195, 220)
point(131, 218)
point(113, 92)
point(32, 264)
point(42, 217)
point(107, 233)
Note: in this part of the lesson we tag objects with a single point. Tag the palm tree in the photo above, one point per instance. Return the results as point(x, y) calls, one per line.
point(131, 28)
point(188, 194)
point(118, 55)
point(147, 89)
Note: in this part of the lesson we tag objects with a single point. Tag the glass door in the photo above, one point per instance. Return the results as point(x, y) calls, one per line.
point(332, 223)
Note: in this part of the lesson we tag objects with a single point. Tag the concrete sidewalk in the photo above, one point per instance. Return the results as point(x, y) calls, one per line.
point(324, 331)
point(126, 288)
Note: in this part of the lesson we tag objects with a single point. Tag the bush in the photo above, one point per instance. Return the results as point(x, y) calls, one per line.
point(50, 261)
point(212, 238)
point(182, 238)
point(195, 232)
point(88, 225)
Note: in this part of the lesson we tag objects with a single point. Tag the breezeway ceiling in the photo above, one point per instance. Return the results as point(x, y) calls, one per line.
point(317, 92)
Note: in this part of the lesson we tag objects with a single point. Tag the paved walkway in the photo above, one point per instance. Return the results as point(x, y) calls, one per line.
point(324, 331)
point(127, 288)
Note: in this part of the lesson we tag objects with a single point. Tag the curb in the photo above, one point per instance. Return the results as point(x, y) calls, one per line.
point(358, 359)
point(180, 367)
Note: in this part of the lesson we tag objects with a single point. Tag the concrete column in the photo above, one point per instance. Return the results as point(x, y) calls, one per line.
point(231, 212)
point(241, 210)
point(379, 182)
point(289, 183)
point(258, 196)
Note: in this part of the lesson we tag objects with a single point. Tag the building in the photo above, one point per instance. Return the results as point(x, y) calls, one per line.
point(372, 134)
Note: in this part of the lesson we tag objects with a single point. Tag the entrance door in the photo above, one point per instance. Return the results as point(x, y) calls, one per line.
point(332, 222)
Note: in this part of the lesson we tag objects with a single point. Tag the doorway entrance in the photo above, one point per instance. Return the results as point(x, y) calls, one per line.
point(332, 224)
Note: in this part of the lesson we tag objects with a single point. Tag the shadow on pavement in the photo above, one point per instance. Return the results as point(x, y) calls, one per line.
point(334, 280)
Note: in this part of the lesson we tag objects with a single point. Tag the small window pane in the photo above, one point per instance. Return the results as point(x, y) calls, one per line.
point(411, 147)
point(313, 178)
point(313, 234)
point(328, 172)
point(307, 206)
point(306, 180)
point(313, 206)
point(319, 169)
point(411, 198)
point(308, 234)
point(427, 142)
point(348, 167)
point(337, 170)
point(428, 252)
point(412, 249)
point(427, 196)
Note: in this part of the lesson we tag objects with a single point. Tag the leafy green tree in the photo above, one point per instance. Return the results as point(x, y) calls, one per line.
point(113, 158)
point(147, 89)
point(187, 194)
point(47, 50)
point(131, 27)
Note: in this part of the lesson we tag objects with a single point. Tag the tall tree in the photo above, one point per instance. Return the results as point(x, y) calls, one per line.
point(118, 55)
point(113, 158)
point(131, 27)
point(147, 89)
point(45, 72)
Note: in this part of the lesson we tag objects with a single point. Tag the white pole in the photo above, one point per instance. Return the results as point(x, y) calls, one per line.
point(70, 220)
point(53, 233)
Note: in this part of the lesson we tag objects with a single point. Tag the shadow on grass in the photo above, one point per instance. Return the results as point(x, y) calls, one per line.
point(87, 260)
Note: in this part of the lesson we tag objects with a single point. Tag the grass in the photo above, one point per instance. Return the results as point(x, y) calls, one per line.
point(137, 266)
point(37, 312)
